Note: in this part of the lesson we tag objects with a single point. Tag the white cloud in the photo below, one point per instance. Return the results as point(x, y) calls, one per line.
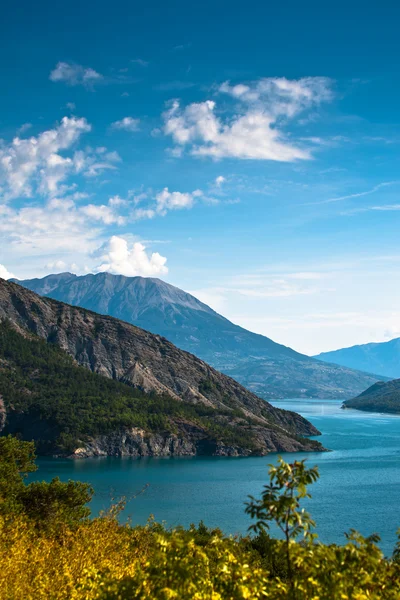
point(73, 74)
point(24, 128)
point(4, 274)
point(58, 225)
point(376, 188)
point(116, 257)
point(144, 213)
point(46, 229)
point(93, 161)
point(117, 201)
point(165, 201)
point(36, 161)
point(103, 213)
point(126, 124)
point(140, 62)
point(382, 208)
point(256, 129)
point(56, 266)
point(280, 96)
point(219, 180)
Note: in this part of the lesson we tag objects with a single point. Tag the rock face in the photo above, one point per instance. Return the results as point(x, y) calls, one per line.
point(121, 351)
point(380, 397)
point(138, 443)
point(269, 369)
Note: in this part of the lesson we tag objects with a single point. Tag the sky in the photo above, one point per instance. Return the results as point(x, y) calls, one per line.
point(247, 153)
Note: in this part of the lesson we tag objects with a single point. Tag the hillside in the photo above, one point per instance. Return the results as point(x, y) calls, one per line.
point(380, 397)
point(269, 369)
point(212, 412)
point(383, 358)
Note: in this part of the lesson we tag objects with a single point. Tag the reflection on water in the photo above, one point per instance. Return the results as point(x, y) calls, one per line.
point(359, 485)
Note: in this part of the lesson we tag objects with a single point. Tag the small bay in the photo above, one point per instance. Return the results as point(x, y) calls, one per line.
point(359, 485)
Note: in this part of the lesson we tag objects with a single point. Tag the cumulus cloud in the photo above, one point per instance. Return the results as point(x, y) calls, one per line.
point(219, 180)
point(117, 257)
point(256, 130)
point(4, 273)
point(126, 124)
point(36, 160)
point(73, 74)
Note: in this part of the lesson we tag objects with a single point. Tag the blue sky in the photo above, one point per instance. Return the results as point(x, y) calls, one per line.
point(244, 152)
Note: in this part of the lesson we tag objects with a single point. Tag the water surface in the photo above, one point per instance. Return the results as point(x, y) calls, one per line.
point(359, 485)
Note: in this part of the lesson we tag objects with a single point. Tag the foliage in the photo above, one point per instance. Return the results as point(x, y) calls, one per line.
point(83, 559)
point(64, 404)
point(47, 505)
point(16, 461)
point(280, 503)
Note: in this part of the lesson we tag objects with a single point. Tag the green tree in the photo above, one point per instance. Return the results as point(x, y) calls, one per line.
point(280, 503)
point(56, 502)
point(17, 459)
point(47, 504)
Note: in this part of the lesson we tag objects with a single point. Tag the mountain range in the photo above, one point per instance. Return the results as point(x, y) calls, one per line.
point(182, 405)
point(267, 368)
point(383, 358)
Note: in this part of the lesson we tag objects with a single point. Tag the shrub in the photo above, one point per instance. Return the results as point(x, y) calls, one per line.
point(83, 559)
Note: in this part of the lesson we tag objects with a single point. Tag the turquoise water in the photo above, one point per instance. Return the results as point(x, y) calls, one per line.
point(359, 485)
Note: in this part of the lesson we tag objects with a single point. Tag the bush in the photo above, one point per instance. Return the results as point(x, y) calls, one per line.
point(83, 559)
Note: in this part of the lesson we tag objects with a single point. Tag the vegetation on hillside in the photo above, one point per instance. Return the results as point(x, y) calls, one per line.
point(70, 403)
point(380, 397)
point(50, 549)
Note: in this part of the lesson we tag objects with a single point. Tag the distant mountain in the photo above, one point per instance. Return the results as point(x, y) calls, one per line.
point(380, 397)
point(182, 406)
point(269, 369)
point(383, 358)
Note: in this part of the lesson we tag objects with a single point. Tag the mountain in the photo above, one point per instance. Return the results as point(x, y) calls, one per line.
point(268, 369)
point(380, 397)
point(217, 414)
point(383, 358)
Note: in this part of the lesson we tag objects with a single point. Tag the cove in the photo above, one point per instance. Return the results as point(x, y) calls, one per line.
point(359, 484)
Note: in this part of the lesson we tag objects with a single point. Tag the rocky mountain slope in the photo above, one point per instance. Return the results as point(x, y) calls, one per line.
point(128, 354)
point(383, 357)
point(380, 397)
point(269, 369)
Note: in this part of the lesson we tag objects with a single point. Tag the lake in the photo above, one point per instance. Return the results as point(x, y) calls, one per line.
point(359, 485)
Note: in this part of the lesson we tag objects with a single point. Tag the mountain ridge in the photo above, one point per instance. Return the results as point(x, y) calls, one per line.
point(377, 357)
point(269, 369)
point(124, 352)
